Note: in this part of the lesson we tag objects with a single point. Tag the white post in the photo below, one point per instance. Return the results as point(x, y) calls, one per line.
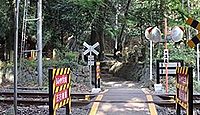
point(197, 62)
point(39, 42)
point(116, 26)
point(151, 48)
point(90, 67)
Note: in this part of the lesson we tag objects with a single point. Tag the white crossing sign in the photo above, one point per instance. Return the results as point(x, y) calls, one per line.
point(91, 48)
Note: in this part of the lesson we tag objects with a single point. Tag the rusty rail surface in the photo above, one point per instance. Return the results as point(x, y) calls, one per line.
point(41, 102)
point(173, 96)
point(44, 95)
point(80, 99)
point(41, 98)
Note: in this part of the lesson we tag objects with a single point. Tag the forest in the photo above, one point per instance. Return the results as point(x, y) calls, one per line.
point(112, 23)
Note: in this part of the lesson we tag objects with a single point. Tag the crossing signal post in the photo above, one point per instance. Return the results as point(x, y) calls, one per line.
point(90, 50)
point(153, 34)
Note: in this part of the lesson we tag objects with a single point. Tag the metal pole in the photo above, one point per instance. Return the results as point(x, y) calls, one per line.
point(90, 67)
point(151, 48)
point(15, 53)
point(116, 27)
point(188, 6)
point(166, 65)
point(39, 41)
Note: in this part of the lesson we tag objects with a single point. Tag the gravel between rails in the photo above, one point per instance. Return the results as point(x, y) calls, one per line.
point(42, 110)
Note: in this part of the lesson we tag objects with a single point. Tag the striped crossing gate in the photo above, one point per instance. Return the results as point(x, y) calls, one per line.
point(196, 39)
point(59, 90)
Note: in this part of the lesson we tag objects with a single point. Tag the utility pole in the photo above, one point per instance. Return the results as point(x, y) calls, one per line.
point(39, 41)
point(16, 53)
point(198, 74)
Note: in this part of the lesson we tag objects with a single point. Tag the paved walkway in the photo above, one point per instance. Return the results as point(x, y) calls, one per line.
point(122, 101)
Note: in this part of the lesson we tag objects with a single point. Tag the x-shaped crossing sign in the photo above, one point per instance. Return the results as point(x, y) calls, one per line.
point(91, 48)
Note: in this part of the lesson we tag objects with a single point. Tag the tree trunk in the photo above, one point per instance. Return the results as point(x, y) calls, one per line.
point(10, 34)
point(123, 26)
point(97, 35)
point(97, 32)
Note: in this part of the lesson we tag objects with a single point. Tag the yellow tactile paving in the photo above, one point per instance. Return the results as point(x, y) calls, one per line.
point(152, 107)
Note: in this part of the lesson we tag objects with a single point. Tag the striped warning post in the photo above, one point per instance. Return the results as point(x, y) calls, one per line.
point(59, 89)
point(98, 72)
point(183, 71)
point(184, 87)
point(98, 69)
point(183, 104)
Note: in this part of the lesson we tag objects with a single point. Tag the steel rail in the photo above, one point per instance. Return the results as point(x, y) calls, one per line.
point(39, 101)
point(173, 96)
point(24, 102)
point(45, 95)
point(28, 88)
point(162, 103)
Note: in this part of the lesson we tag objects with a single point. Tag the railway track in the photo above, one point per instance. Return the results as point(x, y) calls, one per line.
point(196, 100)
point(28, 101)
point(173, 96)
point(42, 98)
point(45, 95)
point(81, 99)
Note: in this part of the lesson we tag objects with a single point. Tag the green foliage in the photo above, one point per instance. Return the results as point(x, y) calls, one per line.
point(66, 18)
point(177, 52)
point(6, 19)
point(183, 53)
point(59, 63)
point(71, 56)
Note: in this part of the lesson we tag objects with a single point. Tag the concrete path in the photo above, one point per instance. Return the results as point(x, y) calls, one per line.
point(122, 101)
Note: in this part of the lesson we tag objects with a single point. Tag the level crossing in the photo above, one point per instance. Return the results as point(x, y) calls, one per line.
point(123, 101)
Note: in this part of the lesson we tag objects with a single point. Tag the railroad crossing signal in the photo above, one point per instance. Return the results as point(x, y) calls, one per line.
point(196, 39)
point(91, 48)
